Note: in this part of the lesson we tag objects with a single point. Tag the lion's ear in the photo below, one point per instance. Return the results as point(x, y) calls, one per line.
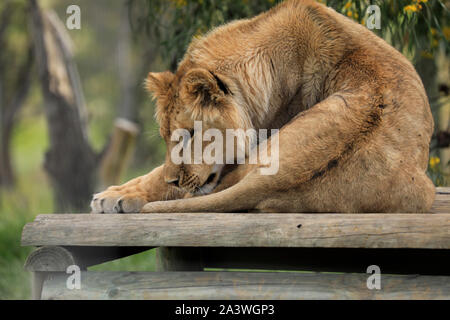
point(204, 86)
point(158, 83)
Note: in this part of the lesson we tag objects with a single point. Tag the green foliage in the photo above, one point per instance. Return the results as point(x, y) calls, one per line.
point(406, 24)
point(33, 196)
point(173, 23)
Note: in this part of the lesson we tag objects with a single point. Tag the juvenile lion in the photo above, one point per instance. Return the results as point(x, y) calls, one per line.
point(354, 120)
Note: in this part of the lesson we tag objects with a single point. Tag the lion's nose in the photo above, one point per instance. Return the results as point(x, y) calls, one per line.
point(173, 182)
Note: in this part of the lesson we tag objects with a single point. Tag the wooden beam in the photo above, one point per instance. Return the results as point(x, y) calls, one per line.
point(442, 201)
point(241, 230)
point(243, 285)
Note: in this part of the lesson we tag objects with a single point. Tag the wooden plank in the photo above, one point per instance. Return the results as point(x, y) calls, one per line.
point(442, 201)
point(443, 190)
point(242, 230)
point(243, 285)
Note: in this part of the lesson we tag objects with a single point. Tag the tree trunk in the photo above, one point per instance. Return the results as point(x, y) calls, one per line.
point(70, 162)
point(6, 171)
point(127, 77)
point(13, 92)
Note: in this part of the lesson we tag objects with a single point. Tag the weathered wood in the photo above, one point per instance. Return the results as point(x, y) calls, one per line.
point(443, 190)
point(179, 259)
point(442, 201)
point(37, 282)
point(118, 153)
point(51, 258)
point(242, 230)
point(43, 261)
point(57, 259)
point(47, 260)
point(243, 285)
point(390, 261)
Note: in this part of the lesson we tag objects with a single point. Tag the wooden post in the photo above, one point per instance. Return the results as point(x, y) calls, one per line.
point(179, 259)
point(49, 260)
point(46, 260)
point(118, 153)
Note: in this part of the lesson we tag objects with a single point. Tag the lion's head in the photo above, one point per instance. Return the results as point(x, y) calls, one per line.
point(183, 99)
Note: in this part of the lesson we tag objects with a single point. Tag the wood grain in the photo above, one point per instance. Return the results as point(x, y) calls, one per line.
point(243, 285)
point(442, 201)
point(241, 230)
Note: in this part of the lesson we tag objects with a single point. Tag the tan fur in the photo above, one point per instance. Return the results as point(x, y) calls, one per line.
point(354, 119)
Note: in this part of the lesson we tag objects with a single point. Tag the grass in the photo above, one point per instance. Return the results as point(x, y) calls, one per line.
point(31, 196)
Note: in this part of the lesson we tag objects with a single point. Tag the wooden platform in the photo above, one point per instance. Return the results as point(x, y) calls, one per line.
point(402, 245)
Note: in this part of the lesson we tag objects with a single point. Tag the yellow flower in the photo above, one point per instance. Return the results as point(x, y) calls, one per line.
point(350, 14)
point(347, 5)
point(434, 161)
point(416, 6)
point(411, 7)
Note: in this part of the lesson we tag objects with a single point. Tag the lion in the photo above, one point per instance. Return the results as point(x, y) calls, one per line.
point(353, 117)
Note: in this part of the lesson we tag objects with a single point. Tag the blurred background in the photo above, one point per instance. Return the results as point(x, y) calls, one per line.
point(74, 115)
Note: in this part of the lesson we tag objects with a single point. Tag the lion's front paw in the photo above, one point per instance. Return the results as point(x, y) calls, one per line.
point(117, 202)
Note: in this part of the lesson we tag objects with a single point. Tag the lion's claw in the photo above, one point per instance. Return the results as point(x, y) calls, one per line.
point(117, 202)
